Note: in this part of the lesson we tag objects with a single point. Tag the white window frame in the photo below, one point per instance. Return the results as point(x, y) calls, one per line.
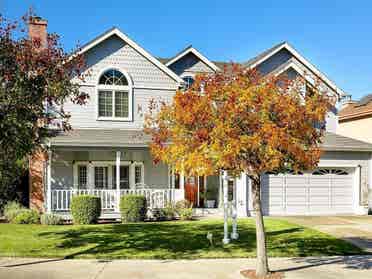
point(90, 172)
point(113, 89)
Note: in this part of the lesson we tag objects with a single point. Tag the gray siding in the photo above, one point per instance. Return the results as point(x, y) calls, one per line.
point(282, 57)
point(190, 64)
point(148, 80)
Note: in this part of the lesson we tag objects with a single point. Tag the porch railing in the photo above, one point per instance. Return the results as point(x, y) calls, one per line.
point(156, 198)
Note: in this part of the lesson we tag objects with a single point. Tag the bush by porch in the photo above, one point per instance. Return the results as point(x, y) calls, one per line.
point(165, 240)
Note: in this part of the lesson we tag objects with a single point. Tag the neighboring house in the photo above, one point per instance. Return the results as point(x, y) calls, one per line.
point(355, 119)
point(106, 154)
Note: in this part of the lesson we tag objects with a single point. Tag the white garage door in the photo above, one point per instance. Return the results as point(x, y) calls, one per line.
point(324, 191)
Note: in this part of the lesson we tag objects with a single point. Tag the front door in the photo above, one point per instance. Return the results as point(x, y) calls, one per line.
point(191, 190)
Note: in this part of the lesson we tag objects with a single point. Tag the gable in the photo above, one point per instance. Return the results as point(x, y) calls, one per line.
point(190, 64)
point(283, 55)
point(113, 52)
point(116, 34)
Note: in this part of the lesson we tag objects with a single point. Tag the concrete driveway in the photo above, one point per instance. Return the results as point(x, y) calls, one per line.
point(355, 229)
point(354, 267)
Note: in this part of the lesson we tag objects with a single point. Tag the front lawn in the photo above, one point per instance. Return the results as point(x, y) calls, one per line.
point(165, 240)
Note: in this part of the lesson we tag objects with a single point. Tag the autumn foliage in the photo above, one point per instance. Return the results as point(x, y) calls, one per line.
point(237, 120)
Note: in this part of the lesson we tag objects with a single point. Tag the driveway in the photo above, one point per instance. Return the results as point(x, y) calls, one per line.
point(354, 267)
point(355, 229)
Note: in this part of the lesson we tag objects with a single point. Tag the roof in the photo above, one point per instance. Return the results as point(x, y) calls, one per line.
point(335, 142)
point(356, 109)
point(139, 49)
point(254, 62)
point(100, 138)
point(191, 49)
point(136, 138)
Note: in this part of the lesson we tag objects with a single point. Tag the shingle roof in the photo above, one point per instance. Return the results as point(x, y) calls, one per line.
point(135, 138)
point(101, 137)
point(335, 142)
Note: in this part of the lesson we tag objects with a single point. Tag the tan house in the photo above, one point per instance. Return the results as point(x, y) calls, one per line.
point(355, 119)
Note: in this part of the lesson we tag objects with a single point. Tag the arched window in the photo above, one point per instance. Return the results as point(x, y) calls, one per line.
point(188, 81)
point(113, 77)
point(330, 171)
point(114, 96)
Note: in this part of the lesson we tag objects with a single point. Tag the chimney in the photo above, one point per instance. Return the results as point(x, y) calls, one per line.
point(347, 101)
point(37, 30)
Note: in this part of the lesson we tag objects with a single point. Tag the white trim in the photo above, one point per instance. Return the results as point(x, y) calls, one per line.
point(90, 171)
point(114, 89)
point(117, 164)
point(121, 35)
point(197, 54)
point(304, 61)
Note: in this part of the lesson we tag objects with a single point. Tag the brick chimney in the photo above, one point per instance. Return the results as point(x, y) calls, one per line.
point(37, 30)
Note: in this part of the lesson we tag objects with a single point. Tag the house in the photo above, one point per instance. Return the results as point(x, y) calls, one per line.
point(355, 119)
point(105, 156)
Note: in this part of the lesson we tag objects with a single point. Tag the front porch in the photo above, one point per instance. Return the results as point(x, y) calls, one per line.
point(111, 173)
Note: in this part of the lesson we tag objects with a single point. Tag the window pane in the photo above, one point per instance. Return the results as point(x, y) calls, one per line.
point(176, 181)
point(100, 177)
point(138, 174)
point(124, 177)
point(82, 176)
point(121, 104)
point(105, 103)
point(113, 77)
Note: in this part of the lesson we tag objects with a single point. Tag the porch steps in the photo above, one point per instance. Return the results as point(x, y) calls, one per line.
point(208, 212)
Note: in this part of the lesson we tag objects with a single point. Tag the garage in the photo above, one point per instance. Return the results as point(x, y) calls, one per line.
point(323, 191)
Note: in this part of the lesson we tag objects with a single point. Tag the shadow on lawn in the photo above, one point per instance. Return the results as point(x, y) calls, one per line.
point(175, 240)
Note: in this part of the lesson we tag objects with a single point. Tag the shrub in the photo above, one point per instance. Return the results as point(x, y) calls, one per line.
point(27, 216)
point(133, 208)
point(50, 219)
point(12, 209)
point(85, 209)
point(184, 209)
point(169, 211)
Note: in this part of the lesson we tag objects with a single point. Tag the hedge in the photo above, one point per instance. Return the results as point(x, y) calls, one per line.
point(85, 209)
point(133, 208)
point(27, 216)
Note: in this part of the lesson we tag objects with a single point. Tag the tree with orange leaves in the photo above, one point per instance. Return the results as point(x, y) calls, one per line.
point(239, 121)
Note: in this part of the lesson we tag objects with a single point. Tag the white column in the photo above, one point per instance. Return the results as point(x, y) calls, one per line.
point(132, 181)
point(234, 234)
point(49, 181)
point(182, 181)
point(225, 239)
point(117, 165)
point(90, 176)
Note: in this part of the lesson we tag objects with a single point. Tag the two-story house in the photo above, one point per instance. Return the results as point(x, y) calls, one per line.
point(106, 155)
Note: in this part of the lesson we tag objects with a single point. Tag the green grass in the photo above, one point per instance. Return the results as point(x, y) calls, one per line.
point(165, 240)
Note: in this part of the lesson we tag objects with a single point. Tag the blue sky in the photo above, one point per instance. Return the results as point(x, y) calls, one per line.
point(336, 36)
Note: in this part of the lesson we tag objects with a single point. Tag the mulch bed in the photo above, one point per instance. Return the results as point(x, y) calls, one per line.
point(251, 274)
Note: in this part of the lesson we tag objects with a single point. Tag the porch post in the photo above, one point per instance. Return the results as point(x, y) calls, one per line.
point(225, 239)
point(49, 181)
point(234, 234)
point(118, 154)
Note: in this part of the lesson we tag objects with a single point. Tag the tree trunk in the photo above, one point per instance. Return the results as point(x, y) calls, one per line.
point(262, 268)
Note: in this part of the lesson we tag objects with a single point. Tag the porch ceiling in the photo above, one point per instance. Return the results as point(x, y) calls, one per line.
point(100, 138)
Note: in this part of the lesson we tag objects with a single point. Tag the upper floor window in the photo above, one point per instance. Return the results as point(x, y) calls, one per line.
point(114, 97)
point(188, 81)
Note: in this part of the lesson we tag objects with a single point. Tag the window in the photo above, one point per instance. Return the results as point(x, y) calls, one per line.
point(138, 174)
point(124, 177)
point(188, 81)
point(82, 176)
point(105, 103)
point(330, 171)
point(114, 99)
point(176, 181)
point(100, 177)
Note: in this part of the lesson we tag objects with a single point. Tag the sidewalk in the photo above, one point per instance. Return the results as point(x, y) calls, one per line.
point(326, 267)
